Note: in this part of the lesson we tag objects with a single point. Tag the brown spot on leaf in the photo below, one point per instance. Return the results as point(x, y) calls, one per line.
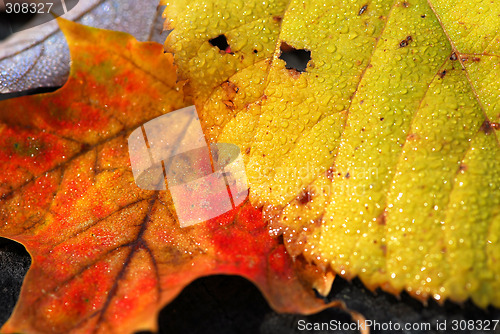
point(330, 173)
point(230, 89)
point(382, 218)
point(229, 104)
point(277, 18)
point(318, 221)
point(362, 10)
point(463, 167)
point(488, 127)
point(412, 136)
point(453, 56)
point(442, 74)
point(405, 42)
point(247, 151)
point(304, 197)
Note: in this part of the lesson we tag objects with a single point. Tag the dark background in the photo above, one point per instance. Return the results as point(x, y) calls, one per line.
point(228, 304)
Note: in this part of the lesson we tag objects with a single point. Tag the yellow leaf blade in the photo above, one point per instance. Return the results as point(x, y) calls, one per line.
point(361, 156)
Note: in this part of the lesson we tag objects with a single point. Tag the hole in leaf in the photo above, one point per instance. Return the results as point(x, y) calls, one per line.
point(295, 59)
point(220, 42)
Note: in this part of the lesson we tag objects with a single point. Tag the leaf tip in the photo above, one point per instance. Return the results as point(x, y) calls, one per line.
point(66, 26)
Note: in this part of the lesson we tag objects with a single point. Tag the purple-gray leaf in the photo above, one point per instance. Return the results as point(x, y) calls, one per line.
point(39, 57)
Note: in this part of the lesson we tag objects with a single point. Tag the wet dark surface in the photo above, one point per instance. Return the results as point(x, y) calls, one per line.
point(10, 23)
point(34, 14)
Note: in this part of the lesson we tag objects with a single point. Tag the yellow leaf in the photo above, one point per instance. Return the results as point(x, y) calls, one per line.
point(381, 159)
